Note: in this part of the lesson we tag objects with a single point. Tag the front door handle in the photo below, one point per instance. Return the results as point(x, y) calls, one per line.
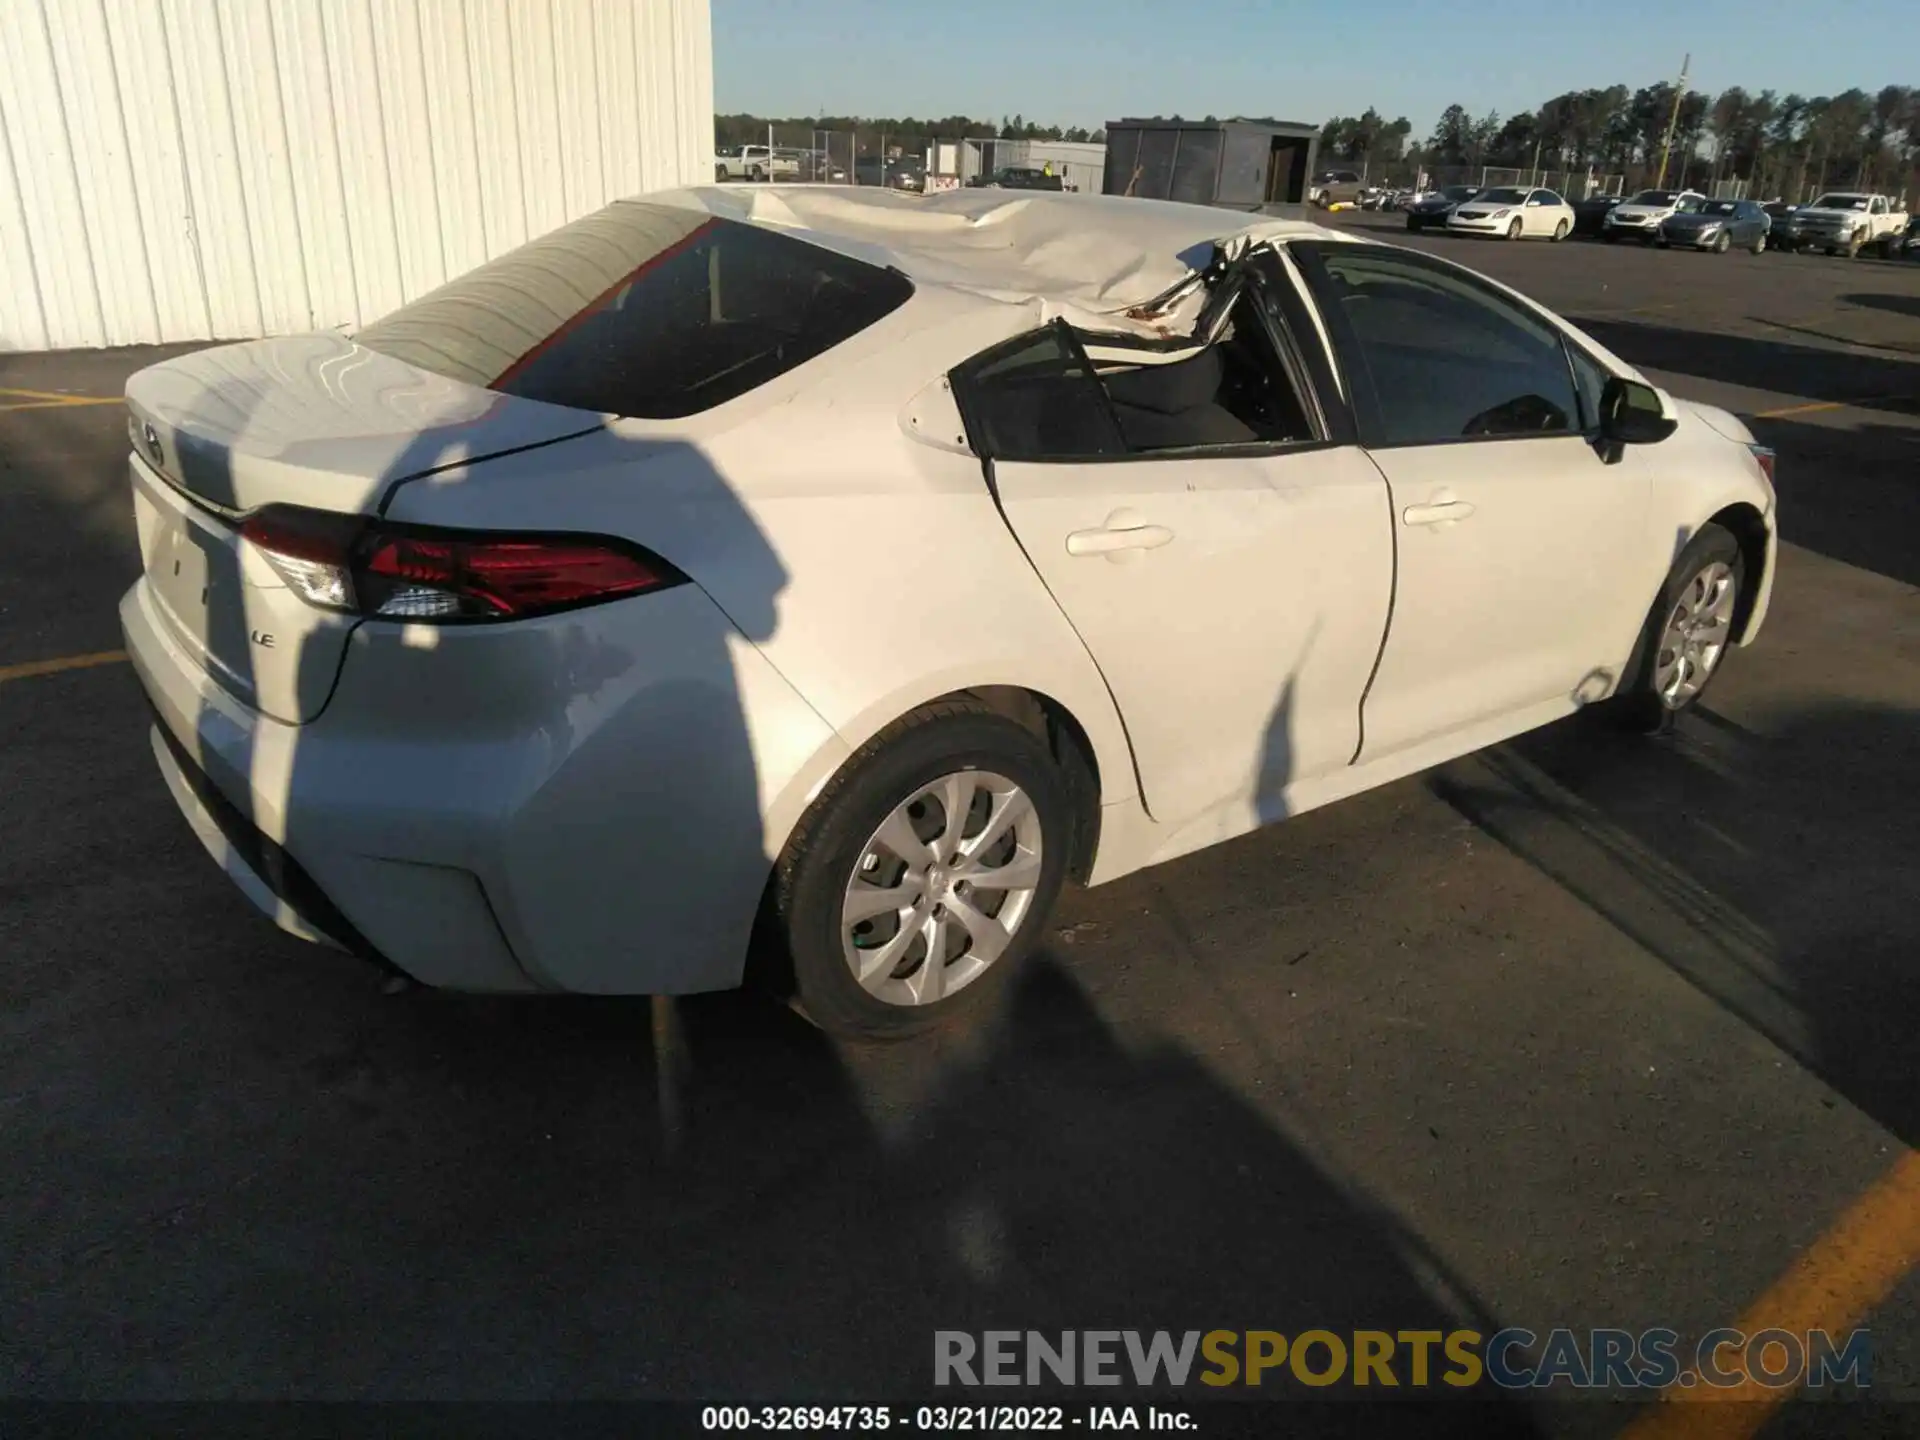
point(1440, 512)
point(1124, 531)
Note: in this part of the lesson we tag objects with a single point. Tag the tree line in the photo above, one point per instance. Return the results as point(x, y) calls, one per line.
point(1777, 143)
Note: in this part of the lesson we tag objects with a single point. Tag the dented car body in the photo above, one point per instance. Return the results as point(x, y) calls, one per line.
point(520, 640)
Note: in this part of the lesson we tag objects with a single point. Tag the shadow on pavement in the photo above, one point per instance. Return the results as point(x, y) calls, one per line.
point(1895, 304)
point(1775, 873)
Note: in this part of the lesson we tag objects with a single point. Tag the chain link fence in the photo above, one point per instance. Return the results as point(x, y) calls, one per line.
point(908, 161)
point(791, 154)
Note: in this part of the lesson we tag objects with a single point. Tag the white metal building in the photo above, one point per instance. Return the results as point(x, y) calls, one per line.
point(219, 169)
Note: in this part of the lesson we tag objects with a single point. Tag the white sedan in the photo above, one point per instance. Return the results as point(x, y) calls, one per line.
point(1514, 214)
point(856, 570)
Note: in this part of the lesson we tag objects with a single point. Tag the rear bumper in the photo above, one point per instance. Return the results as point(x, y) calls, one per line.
point(571, 803)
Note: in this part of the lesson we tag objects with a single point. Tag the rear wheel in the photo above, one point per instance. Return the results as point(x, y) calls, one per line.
point(719, 172)
point(924, 872)
point(1560, 232)
point(1760, 243)
point(755, 173)
point(1686, 635)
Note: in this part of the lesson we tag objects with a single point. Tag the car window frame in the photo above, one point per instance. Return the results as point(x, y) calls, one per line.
point(1325, 409)
point(1310, 255)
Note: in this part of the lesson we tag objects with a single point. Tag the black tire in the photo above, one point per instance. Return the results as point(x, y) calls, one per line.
point(1637, 705)
point(811, 878)
point(756, 174)
point(1759, 246)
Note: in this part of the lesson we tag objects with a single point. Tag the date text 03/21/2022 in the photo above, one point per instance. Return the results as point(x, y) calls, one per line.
point(941, 1419)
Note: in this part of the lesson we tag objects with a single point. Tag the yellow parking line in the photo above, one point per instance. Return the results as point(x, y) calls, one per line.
point(1833, 1286)
point(55, 397)
point(54, 404)
point(31, 668)
point(1787, 410)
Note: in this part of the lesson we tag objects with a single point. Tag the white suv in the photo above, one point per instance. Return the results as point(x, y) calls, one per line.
point(1640, 218)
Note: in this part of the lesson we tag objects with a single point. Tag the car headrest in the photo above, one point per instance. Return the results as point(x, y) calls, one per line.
point(1169, 389)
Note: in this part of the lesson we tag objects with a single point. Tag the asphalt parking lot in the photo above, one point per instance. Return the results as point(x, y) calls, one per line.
point(1579, 1032)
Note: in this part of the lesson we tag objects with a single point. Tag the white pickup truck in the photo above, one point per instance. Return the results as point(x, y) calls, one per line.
point(1845, 222)
point(755, 162)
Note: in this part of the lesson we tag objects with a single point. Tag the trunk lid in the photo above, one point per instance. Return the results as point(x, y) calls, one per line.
point(319, 420)
point(312, 420)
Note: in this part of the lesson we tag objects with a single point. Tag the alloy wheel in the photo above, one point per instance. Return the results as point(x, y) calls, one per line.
point(941, 887)
point(1695, 636)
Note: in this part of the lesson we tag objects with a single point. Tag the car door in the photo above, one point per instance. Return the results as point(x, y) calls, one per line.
point(1521, 549)
point(1233, 591)
point(1539, 216)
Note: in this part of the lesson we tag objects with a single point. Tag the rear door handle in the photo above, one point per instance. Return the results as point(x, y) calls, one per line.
point(1441, 512)
point(1123, 531)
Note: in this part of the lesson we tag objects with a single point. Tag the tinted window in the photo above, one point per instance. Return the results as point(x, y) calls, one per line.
point(1036, 399)
point(1501, 196)
point(1719, 207)
point(1841, 202)
point(1653, 197)
point(641, 309)
point(1435, 356)
point(1548, 197)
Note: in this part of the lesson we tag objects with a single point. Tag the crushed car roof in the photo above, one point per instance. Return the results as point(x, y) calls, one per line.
point(1099, 254)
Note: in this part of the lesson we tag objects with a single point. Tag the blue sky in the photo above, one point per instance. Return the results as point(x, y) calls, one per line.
point(1082, 62)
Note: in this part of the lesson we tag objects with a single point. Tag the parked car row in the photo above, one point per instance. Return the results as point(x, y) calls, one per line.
point(1841, 223)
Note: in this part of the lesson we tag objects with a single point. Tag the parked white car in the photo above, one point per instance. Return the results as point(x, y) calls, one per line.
point(1513, 213)
point(1641, 217)
point(862, 567)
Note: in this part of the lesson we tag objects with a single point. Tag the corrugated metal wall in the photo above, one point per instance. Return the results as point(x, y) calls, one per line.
point(214, 169)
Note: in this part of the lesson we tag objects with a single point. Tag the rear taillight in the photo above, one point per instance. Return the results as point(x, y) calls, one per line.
point(413, 572)
point(1764, 458)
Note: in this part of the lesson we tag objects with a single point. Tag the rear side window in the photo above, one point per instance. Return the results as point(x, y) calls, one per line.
point(643, 310)
point(1036, 398)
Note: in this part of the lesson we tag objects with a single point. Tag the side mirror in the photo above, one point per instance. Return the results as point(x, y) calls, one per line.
point(1630, 414)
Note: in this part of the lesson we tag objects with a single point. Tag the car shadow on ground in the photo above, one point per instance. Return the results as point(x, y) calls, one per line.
point(1773, 872)
point(1895, 304)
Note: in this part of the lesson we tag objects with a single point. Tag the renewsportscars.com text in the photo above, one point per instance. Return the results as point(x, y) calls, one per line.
point(1511, 1359)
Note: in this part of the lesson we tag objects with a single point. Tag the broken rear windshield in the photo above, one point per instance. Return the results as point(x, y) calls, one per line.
point(641, 309)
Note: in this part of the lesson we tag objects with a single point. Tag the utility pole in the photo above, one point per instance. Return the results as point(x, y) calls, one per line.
point(1679, 94)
